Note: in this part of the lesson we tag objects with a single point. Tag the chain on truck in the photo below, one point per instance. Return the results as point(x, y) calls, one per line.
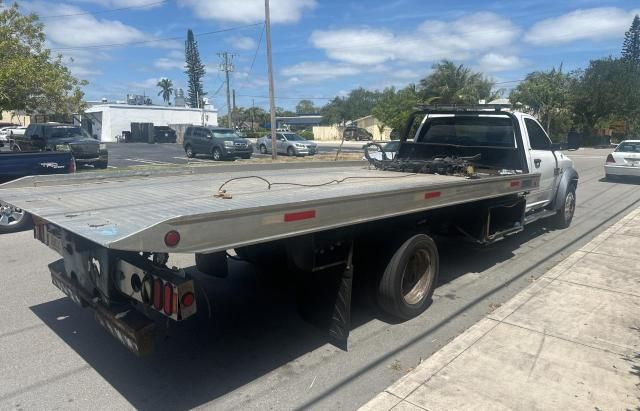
point(477, 173)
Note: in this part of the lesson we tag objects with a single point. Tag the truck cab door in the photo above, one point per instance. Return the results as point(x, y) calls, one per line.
point(542, 160)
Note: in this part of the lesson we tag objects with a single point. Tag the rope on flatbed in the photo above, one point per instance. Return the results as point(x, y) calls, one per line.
point(222, 193)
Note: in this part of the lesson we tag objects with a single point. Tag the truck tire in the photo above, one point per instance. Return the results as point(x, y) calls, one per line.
point(567, 208)
point(263, 149)
point(101, 164)
point(214, 264)
point(406, 287)
point(291, 152)
point(13, 219)
point(189, 151)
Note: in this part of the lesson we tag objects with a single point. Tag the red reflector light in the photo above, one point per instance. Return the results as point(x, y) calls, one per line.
point(515, 183)
point(432, 194)
point(301, 215)
point(172, 238)
point(168, 299)
point(610, 159)
point(72, 165)
point(157, 294)
point(188, 299)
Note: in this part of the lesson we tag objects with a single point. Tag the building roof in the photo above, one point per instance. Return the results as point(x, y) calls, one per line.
point(103, 107)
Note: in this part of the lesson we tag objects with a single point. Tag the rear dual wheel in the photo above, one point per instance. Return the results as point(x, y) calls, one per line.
point(409, 279)
point(13, 219)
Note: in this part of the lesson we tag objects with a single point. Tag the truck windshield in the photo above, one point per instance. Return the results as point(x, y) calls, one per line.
point(471, 131)
point(64, 132)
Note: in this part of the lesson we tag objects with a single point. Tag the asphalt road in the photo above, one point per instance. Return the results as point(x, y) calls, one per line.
point(141, 154)
point(260, 354)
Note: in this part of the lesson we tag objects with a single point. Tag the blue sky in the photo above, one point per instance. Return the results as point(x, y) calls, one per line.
point(324, 48)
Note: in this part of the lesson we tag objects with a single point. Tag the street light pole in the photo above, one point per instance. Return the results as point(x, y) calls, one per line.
point(272, 103)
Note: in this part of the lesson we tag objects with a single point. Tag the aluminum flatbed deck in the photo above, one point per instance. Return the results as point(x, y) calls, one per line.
point(134, 212)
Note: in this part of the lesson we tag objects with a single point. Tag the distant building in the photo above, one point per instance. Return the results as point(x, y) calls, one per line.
point(298, 122)
point(106, 121)
point(179, 100)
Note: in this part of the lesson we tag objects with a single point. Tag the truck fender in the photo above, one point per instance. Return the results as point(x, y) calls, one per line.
point(568, 177)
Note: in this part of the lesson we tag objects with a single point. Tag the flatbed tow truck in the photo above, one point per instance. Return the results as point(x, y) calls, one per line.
point(479, 173)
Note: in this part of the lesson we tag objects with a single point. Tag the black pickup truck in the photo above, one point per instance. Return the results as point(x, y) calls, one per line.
point(17, 165)
point(63, 137)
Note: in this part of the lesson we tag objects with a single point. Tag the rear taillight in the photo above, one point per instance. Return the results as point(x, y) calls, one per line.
point(72, 165)
point(610, 159)
point(187, 299)
point(168, 299)
point(157, 294)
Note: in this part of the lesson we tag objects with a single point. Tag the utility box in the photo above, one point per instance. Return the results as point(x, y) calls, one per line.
point(142, 133)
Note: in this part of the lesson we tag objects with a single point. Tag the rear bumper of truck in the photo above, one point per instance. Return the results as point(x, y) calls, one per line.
point(127, 325)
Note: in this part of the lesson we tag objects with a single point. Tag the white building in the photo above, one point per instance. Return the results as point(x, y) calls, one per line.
point(109, 120)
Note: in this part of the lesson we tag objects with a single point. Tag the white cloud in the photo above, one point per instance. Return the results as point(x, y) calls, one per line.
point(150, 83)
point(310, 72)
point(433, 40)
point(164, 63)
point(249, 11)
point(406, 74)
point(585, 24)
point(242, 42)
point(495, 62)
point(148, 4)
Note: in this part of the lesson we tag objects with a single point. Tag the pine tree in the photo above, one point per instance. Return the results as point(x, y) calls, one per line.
point(631, 45)
point(195, 71)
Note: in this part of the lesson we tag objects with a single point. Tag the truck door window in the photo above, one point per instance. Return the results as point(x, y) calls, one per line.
point(537, 137)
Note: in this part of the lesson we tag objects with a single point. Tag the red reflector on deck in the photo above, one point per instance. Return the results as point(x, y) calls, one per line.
point(301, 215)
point(432, 194)
point(515, 183)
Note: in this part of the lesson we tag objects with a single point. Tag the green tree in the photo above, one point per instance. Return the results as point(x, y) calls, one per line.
point(195, 71)
point(358, 103)
point(631, 45)
point(30, 78)
point(394, 107)
point(166, 89)
point(608, 89)
point(306, 107)
point(451, 84)
point(546, 95)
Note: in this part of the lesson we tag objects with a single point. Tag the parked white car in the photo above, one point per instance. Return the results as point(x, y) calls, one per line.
point(287, 143)
point(624, 161)
point(6, 133)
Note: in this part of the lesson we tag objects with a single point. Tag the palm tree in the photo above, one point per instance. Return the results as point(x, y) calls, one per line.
point(166, 89)
point(451, 84)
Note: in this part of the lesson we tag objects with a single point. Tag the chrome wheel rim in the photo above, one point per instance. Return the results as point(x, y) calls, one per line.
point(569, 206)
point(216, 155)
point(10, 216)
point(417, 277)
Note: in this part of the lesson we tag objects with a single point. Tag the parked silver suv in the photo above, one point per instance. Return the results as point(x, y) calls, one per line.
point(287, 143)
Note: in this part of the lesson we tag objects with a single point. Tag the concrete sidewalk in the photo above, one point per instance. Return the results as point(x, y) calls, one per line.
point(571, 340)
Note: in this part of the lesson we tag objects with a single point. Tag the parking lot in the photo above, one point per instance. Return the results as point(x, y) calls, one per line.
point(138, 154)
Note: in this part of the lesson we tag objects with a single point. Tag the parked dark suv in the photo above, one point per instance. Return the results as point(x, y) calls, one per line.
point(63, 137)
point(164, 134)
point(219, 143)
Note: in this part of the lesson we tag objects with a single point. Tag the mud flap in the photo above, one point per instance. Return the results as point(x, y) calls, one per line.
point(131, 328)
point(341, 319)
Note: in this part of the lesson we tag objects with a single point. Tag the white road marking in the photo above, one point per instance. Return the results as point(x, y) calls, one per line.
point(152, 162)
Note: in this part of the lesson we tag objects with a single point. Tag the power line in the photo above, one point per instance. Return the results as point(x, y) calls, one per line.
point(141, 6)
point(132, 43)
point(288, 97)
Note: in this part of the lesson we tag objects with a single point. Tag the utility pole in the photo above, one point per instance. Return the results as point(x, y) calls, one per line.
point(253, 114)
point(227, 67)
point(272, 102)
